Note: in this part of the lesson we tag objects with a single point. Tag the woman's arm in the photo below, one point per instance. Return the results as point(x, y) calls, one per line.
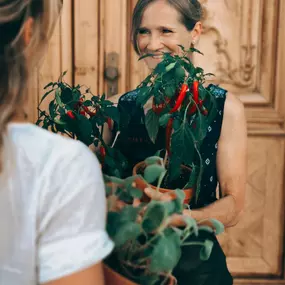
point(231, 167)
point(90, 276)
point(108, 135)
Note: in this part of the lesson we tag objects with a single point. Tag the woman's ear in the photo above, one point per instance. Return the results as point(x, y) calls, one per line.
point(28, 30)
point(196, 32)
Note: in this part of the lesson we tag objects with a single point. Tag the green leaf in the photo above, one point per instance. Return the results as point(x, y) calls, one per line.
point(45, 95)
point(170, 66)
point(116, 180)
point(196, 50)
point(206, 250)
point(57, 97)
point(154, 216)
point(182, 47)
point(153, 172)
point(145, 55)
point(84, 130)
point(169, 91)
point(38, 121)
point(180, 73)
point(66, 95)
point(143, 96)
point(59, 122)
point(166, 254)
point(191, 224)
point(176, 205)
point(206, 228)
point(113, 219)
point(52, 110)
point(152, 125)
point(48, 85)
point(163, 120)
point(193, 177)
point(200, 129)
point(182, 143)
point(174, 165)
point(218, 226)
point(129, 214)
point(135, 193)
point(129, 231)
point(62, 75)
point(88, 103)
point(113, 113)
point(180, 196)
point(153, 160)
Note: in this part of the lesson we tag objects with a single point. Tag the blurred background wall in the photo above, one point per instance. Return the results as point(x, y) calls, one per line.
point(244, 46)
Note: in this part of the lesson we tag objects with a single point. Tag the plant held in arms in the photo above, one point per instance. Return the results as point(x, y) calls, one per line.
point(79, 114)
point(185, 108)
point(149, 236)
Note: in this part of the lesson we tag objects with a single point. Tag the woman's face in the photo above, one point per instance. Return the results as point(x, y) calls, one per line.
point(162, 31)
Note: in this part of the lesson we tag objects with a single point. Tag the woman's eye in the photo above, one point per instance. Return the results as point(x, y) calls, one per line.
point(143, 31)
point(166, 31)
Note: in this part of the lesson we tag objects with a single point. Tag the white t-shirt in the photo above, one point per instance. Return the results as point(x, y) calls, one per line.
point(52, 207)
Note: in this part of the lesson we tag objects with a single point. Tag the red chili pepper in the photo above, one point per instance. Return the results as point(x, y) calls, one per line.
point(168, 135)
point(157, 109)
point(202, 108)
point(102, 153)
point(196, 91)
point(90, 113)
point(70, 115)
point(109, 122)
point(78, 104)
point(204, 111)
point(180, 98)
point(82, 112)
point(192, 109)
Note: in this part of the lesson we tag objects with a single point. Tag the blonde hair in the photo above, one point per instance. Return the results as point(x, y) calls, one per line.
point(17, 58)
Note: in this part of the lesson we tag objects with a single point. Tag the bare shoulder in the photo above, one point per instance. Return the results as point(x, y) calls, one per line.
point(115, 98)
point(234, 108)
point(234, 121)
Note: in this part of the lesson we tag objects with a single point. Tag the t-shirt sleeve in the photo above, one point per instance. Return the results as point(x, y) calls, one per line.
point(72, 215)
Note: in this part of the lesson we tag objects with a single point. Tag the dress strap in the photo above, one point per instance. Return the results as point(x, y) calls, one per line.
point(217, 91)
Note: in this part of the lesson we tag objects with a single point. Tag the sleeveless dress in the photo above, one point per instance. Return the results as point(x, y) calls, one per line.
point(135, 144)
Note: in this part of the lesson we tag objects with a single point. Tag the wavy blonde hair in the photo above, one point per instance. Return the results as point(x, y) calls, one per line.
point(16, 58)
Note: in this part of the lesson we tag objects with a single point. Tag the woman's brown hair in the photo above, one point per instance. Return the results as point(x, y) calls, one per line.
point(190, 11)
point(16, 57)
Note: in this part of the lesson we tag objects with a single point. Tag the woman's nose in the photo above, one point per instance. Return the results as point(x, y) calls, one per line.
point(155, 43)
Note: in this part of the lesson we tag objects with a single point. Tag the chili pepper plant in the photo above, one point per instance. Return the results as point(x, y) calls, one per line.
point(76, 112)
point(149, 237)
point(184, 107)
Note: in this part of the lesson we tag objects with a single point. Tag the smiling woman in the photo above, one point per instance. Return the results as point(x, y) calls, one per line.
point(161, 26)
point(177, 23)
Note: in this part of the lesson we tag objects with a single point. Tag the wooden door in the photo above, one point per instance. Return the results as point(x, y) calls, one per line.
point(244, 45)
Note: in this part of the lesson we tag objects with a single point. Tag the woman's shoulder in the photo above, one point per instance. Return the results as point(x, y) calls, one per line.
point(217, 91)
point(234, 108)
point(42, 146)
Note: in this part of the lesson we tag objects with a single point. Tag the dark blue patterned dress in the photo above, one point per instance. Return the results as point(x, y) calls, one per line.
point(135, 144)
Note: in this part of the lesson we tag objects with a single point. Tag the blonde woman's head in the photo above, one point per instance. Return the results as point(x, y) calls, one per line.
point(25, 27)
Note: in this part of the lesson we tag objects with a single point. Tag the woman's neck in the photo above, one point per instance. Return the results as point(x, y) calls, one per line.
point(20, 117)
